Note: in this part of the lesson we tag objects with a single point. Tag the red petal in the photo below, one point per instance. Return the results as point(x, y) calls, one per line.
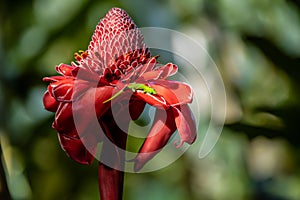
point(162, 129)
point(136, 108)
point(159, 73)
point(148, 76)
point(63, 121)
point(153, 100)
point(50, 102)
point(91, 102)
point(174, 92)
point(75, 139)
point(186, 125)
point(80, 87)
point(85, 74)
point(62, 90)
point(168, 70)
point(53, 78)
point(147, 67)
point(64, 69)
point(75, 149)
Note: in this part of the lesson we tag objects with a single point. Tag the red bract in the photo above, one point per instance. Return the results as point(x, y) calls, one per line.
point(116, 70)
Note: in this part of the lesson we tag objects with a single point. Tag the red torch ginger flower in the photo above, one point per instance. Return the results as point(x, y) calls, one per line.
point(116, 70)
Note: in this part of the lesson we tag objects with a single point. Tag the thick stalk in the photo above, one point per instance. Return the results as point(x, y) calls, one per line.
point(112, 160)
point(110, 182)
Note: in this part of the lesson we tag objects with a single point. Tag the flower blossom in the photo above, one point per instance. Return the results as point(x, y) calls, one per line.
point(117, 70)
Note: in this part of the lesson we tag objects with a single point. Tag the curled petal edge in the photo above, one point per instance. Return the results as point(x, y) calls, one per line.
point(50, 102)
point(75, 149)
point(186, 125)
point(162, 129)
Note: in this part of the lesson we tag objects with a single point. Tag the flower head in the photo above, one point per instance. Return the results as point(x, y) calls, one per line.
point(117, 69)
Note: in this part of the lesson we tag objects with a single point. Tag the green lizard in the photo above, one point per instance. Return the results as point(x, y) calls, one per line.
point(134, 87)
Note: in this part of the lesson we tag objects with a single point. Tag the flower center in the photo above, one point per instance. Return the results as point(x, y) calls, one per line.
point(126, 64)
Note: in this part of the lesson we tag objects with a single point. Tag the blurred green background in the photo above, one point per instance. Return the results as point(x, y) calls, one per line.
point(255, 44)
